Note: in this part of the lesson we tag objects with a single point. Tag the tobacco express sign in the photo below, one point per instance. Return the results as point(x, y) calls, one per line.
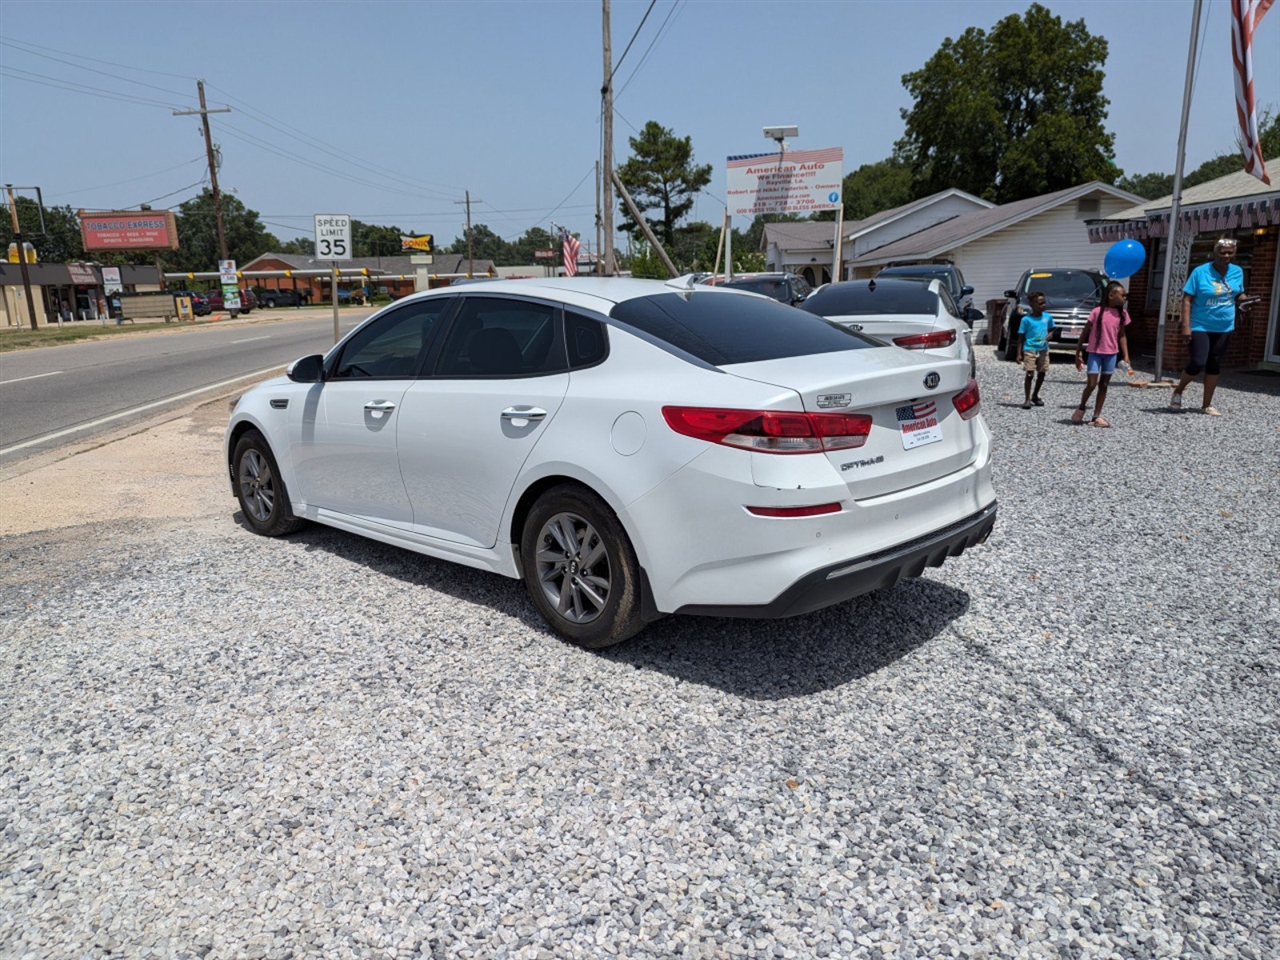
point(333, 236)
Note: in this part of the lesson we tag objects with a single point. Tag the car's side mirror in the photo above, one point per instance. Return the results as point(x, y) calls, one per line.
point(1012, 294)
point(971, 314)
point(966, 291)
point(307, 370)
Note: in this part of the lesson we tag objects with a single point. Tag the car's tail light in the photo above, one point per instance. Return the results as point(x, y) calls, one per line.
point(816, 510)
point(770, 431)
point(927, 341)
point(967, 401)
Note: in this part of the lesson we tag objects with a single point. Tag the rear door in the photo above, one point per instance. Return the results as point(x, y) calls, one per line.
point(467, 428)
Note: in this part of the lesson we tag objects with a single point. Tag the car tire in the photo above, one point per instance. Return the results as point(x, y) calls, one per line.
point(580, 568)
point(1009, 344)
point(264, 501)
point(269, 304)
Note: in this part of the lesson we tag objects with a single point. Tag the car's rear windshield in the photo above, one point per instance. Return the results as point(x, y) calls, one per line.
point(724, 329)
point(1063, 284)
point(770, 288)
point(917, 273)
point(858, 298)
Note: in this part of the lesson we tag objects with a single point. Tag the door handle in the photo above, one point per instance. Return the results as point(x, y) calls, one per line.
point(523, 413)
point(379, 406)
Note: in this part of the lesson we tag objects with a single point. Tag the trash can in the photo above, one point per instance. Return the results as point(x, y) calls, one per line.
point(995, 319)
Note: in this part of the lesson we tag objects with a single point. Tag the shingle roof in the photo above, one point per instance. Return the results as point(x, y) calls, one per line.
point(1234, 186)
point(968, 226)
point(811, 233)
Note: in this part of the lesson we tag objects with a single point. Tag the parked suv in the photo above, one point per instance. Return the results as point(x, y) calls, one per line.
point(936, 269)
point(789, 288)
point(216, 301)
point(1070, 296)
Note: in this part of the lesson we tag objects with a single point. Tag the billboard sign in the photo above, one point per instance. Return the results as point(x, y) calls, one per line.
point(797, 181)
point(544, 254)
point(230, 286)
point(422, 244)
point(129, 230)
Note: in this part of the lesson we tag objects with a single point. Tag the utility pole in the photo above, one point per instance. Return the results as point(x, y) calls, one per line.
point(606, 94)
point(470, 265)
point(213, 167)
point(22, 259)
point(599, 248)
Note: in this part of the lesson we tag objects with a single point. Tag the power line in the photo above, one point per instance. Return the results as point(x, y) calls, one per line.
point(632, 40)
point(109, 63)
point(80, 88)
point(145, 176)
point(656, 37)
point(115, 76)
point(198, 183)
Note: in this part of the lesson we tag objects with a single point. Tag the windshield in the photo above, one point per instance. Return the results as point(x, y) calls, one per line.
point(918, 273)
point(722, 329)
point(1064, 284)
point(864, 298)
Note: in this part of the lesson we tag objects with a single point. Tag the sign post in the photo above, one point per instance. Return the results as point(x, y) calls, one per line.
point(333, 243)
point(230, 287)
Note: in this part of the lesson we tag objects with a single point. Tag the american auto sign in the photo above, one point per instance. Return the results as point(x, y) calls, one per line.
point(129, 230)
point(798, 181)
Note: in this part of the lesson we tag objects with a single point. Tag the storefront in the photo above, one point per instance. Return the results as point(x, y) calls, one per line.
point(65, 292)
point(1237, 206)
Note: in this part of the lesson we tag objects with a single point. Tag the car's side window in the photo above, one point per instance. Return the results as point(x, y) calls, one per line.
point(392, 347)
point(586, 340)
point(502, 337)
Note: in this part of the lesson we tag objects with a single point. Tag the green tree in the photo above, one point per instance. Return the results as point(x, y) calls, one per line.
point(662, 176)
point(534, 239)
point(198, 248)
point(371, 240)
point(485, 245)
point(1149, 186)
point(298, 246)
point(1010, 113)
point(58, 242)
point(876, 186)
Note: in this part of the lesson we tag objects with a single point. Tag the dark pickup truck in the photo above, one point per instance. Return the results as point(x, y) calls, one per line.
point(284, 297)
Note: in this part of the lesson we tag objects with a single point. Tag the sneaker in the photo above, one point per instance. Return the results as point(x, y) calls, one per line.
point(1037, 401)
point(1212, 411)
point(1175, 401)
point(1027, 405)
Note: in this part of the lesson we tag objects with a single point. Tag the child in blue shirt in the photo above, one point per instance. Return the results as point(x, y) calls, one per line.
point(1033, 347)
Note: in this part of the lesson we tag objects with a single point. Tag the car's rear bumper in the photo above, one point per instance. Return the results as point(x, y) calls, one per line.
point(852, 578)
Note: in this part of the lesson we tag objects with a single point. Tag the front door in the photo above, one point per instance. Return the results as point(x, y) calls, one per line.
point(468, 428)
point(344, 451)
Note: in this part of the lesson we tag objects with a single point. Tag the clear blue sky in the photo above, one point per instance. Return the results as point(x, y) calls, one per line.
point(398, 108)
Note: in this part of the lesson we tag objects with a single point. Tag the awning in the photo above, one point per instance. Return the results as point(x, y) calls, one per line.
point(1243, 215)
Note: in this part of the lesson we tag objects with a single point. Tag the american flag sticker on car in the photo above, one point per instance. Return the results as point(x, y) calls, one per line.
point(919, 423)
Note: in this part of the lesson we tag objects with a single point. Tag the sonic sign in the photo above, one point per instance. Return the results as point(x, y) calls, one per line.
point(129, 230)
point(797, 181)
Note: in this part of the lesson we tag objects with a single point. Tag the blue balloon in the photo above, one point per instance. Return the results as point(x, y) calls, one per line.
point(1124, 259)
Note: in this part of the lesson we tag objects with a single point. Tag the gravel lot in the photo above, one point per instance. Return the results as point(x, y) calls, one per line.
point(1063, 744)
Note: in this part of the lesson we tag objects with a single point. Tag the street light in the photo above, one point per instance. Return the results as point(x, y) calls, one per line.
point(780, 134)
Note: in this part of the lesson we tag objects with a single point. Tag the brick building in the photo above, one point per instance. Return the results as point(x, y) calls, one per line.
point(1237, 205)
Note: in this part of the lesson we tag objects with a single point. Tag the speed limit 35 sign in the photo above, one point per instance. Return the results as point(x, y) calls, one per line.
point(333, 236)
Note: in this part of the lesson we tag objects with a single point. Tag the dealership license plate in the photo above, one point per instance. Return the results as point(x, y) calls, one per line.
point(919, 424)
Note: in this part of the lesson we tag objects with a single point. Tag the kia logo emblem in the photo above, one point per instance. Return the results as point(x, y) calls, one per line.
point(931, 380)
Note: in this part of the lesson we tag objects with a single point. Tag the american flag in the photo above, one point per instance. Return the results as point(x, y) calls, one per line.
point(571, 248)
point(917, 411)
point(1245, 17)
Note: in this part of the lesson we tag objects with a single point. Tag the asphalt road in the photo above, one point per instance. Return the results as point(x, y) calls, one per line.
point(52, 395)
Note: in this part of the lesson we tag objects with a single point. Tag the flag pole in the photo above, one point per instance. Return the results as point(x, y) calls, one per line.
point(1175, 209)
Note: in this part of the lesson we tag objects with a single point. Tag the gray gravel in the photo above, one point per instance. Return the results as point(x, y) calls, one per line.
point(1064, 744)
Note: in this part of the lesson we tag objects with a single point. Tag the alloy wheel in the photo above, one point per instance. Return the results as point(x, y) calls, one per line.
point(257, 485)
point(573, 567)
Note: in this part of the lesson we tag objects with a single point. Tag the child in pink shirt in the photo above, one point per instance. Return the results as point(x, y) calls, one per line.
point(1104, 338)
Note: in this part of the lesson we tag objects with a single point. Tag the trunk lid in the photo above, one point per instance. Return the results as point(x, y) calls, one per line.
point(916, 434)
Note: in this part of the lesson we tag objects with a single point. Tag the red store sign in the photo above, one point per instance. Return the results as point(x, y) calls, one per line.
point(129, 230)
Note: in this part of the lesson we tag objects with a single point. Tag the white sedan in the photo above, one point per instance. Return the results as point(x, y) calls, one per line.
point(913, 314)
point(630, 448)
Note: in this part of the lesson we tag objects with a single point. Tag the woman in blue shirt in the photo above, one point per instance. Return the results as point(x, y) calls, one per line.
point(1209, 302)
